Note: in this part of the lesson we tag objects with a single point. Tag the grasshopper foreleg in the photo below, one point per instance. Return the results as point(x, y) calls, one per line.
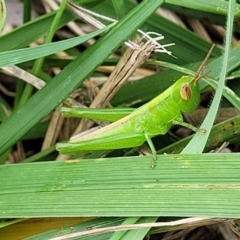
point(187, 125)
point(154, 153)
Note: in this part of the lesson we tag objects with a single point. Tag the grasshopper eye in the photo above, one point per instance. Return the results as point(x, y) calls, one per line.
point(186, 92)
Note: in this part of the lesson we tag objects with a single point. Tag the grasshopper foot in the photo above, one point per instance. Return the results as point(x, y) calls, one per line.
point(202, 130)
point(154, 163)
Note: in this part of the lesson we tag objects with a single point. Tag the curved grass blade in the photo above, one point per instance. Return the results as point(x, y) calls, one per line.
point(198, 142)
point(13, 57)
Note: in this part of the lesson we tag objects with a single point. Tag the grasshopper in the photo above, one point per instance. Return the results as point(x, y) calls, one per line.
point(151, 119)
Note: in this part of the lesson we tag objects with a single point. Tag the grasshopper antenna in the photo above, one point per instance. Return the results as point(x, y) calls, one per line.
point(198, 73)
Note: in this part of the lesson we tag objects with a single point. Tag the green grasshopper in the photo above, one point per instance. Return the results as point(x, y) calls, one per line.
point(153, 118)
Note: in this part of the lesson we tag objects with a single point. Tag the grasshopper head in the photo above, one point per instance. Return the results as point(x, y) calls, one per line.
point(186, 93)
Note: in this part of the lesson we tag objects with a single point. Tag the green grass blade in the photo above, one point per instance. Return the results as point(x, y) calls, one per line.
point(180, 185)
point(213, 6)
point(14, 57)
point(8, 223)
point(198, 142)
point(119, 235)
point(42, 23)
point(139, 233)
point(119, 8)
point(38, 63)
point(27, 11)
